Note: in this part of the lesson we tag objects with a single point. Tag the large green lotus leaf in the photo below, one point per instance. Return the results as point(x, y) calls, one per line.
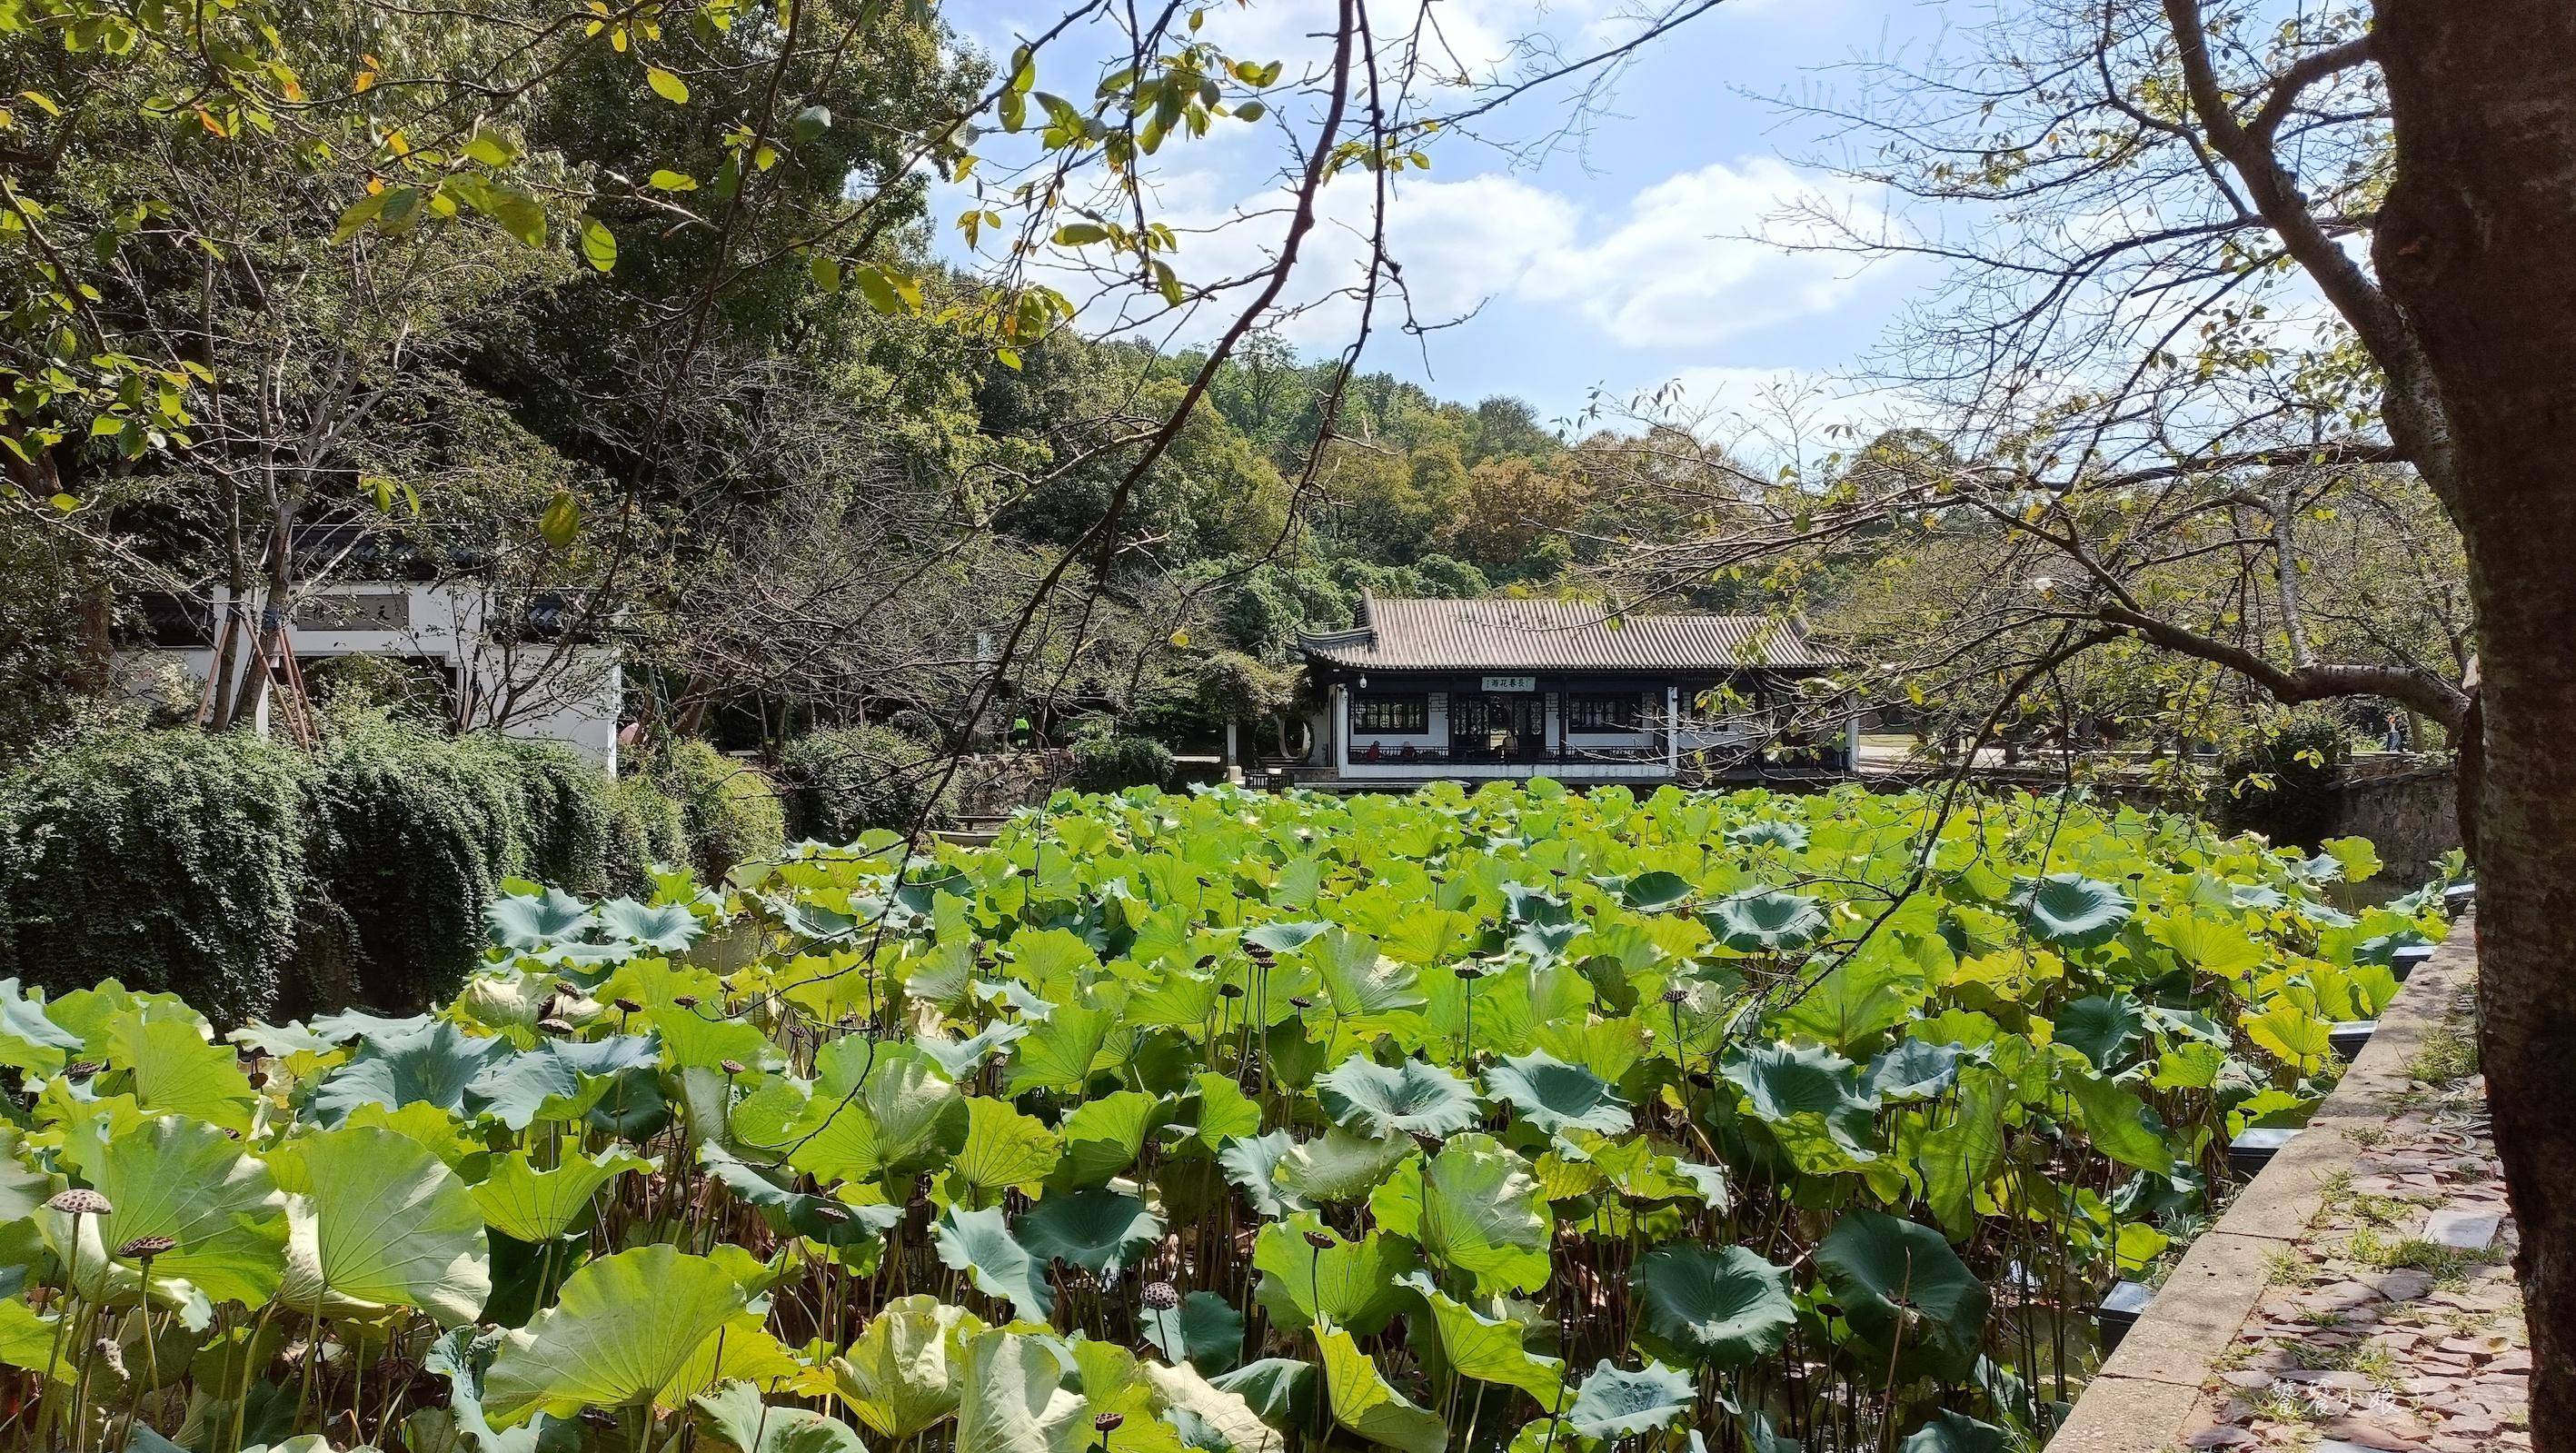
point(376, 1222)
point(743, 1350)
point(177, 1070)
point(1279, 1390)
point(1412, 1098)
point(828, 1219)
point(906, 1371)
point(1014, 1400)
point(427, 1063)
point(2103, 1026)
point(1251, 1162)
point(1103, 1136)
point(1224, 1112)
point(1616, 1403)
point(1556, 1096)
point(2119, 1124)
point(1363, 1401)
point(1058, 1055)
point(1785, 1084)
point(186, 1180)
point(1280, 937)
point(1768, 832)
point(554, 1081)
point(2218, 945)
point(461, 1356)
point(1351, 1283)
point(1228, 1416)
point(735, 1415)
point(1366, 991)
point(1474, 1208)
point(2072, 910)
point(1959, 1157)
point(527, 1204)
point(960, 1058)
point(1487, 1349)
point(898, 1116)
point(669, 928)
point(29, 1038)
point(1204, 1331)
point(1850, 1006)
point(1905, 1292)
point(1338, 1167)
point(1724, 1307)
point(981, 1245)
point(1913, 1069)
point(1657, 891)
point(1004, 1149)
point(32, 1342)
point(623, 1327)
point(1102, 1231)
point(525, 922)
point(1766, 921)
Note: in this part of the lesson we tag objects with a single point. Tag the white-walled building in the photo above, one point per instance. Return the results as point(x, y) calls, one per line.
point(1431, 690)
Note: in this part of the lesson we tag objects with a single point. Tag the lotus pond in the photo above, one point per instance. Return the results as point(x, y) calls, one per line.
point(1514, 1120)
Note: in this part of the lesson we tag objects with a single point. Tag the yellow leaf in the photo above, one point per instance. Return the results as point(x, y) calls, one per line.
point(1180, 640)
point(667, 86)
point(66, 503)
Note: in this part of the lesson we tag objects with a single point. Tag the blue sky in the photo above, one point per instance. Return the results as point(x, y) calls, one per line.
point(1618, 264)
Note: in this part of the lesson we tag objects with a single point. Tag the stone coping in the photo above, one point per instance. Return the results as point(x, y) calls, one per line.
point(2145, 1393)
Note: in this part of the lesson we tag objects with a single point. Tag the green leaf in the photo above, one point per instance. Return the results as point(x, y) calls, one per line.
point(1655, 892)
point(1339, 1167)
point(1004, 1149)
point(621, 1330)
point(376, 1222)
point(1766, 921)
point(1726, 1308)
point(1487, 1349)
point(1103, 1137)
point(598, 244)
point(1101, 1231)
point(1015, 1401)
point(429, 1064)
point(666, 85)
point(1905, 1292)
point(1556, 1096)
point(527, 1204)
point(1363, 1401)
point(2118, 1123)
point(664, 179)
point(525, 922)
point(736, 1415)
point(1228, 1416)
point(669, 927)
point(177, 1071)
point(1350, 1283)
point(561, 521)
point(1474, 1208)
point(1058, 1054)
point(2103, 1027)
point(2071, 910)
point(1616, 1403)
point(186, 1180)
point(1205, 1331)
point(906, 1371)
point(1412, 1098)
point(981, 1245)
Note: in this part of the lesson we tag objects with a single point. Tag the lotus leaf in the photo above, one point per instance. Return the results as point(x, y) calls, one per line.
point(1363, 1401)
point(528, 1204)
point(735, 1415)
point(621, 1330)
point(1904, 1291)
point(1411, 1098)
point(979, 1244)
point(1766, 921)
point(1723, 1307)
point(905, 1372)
point(1204, 1331)
point(1556, 1096)
point(1615, 1403)
point(2071, 910)
point(376, 1222)
point(1474, 1208)
point(1014, 1401)
point(1099, 1230)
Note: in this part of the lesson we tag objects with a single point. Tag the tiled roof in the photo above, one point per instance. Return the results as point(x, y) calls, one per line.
point(1558, 635)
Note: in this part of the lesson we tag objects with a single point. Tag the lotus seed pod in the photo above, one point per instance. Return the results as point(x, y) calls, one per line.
point(1676, 994)
point(1161, 1296)
point(1109, 1422)
point(685, 1001)
point(555, 1026)
point(1301, 1001)
point(730, 1066)
point(79, 1201)
point(144, 1248)
point(1319, 1241)
point(82, 1069)
point(628, 1006)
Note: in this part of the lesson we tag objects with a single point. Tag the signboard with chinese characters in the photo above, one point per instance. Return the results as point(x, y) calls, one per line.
point(1511, 683)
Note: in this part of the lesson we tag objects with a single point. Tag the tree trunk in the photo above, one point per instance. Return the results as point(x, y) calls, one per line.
point(2473, 246)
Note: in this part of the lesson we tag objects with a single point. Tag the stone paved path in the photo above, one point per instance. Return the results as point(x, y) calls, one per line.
point(2395, 1325)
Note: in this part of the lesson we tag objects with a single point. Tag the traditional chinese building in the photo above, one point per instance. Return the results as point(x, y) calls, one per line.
point(1427, 690)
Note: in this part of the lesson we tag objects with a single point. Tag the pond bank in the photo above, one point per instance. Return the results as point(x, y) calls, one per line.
point(2355, 1295)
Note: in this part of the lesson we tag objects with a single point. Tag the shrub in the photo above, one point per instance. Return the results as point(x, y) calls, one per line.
point(2285, 785)
point(647, 826)
point(1107, 762)
point(566, 812)
point(729, 810)
point(169, 860)
point(839, 782)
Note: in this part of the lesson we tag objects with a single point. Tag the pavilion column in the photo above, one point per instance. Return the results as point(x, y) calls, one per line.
point(1341, 729)
point(1673, 730)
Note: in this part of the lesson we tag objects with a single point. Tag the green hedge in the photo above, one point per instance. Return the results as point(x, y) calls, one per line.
point(729, 810)
point(170, 861)
point(254, 877)
point(2287, 784)
point(1107, 763)
point(839, 782)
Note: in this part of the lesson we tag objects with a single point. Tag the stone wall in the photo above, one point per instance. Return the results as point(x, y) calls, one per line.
point(2410, 810)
